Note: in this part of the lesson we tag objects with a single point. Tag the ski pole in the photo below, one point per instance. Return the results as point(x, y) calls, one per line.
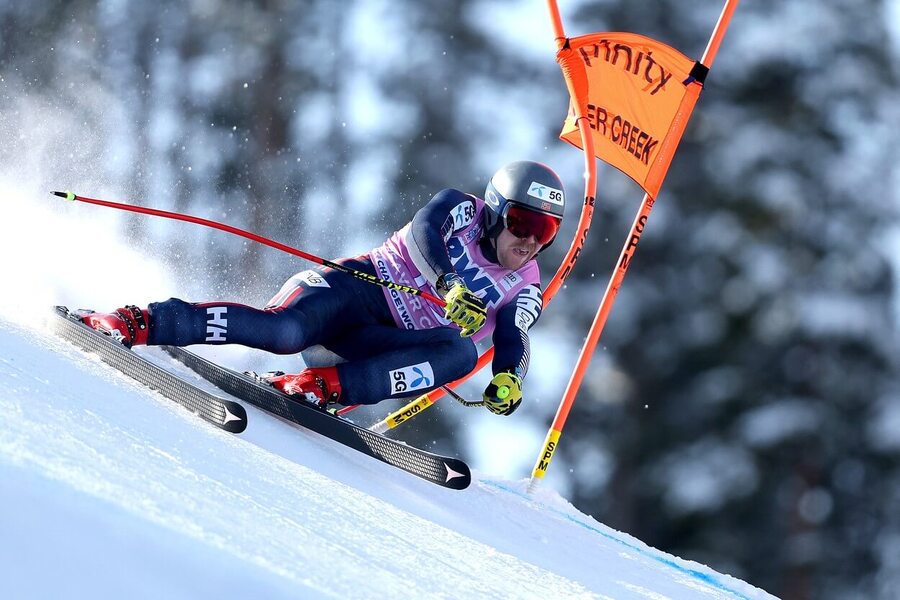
point(460, 399)
point(414, 408)
point(256, 238)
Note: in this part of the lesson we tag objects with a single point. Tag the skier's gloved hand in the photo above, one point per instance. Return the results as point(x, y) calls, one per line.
point(463, 307)
point(503, 394)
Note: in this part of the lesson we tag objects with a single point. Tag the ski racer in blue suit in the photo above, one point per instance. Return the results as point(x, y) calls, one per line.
point(478, 254)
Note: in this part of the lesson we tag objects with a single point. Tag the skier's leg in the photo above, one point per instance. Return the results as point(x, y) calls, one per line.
point(332, 303)
point(179, 323)
point(388, 362)
point(312, 306)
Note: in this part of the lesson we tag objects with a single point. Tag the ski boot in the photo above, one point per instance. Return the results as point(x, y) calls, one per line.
point(129, 325)
point(319, 386)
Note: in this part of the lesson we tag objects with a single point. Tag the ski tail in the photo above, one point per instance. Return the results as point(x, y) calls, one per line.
point(225, 414)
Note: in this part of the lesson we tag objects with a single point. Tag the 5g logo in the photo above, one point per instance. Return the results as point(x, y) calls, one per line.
point(411, 378)
point(544, 192)
point(463, 214)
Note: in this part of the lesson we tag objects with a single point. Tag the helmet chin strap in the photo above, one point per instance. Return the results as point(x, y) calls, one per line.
point(488, 246)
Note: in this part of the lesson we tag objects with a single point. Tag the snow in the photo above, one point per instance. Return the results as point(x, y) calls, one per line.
point(108, 490)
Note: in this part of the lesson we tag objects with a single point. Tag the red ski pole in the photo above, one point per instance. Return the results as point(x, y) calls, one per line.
point(256, 238)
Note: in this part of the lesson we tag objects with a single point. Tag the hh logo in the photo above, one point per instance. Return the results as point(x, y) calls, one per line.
point(411, 378)
point(216, 323)
point(529, 303)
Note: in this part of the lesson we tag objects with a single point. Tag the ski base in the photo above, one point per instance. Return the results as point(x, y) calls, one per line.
point(226, 414)
point(444, 471)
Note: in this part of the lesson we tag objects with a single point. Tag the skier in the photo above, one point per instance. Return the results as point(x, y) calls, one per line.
point(477, 254)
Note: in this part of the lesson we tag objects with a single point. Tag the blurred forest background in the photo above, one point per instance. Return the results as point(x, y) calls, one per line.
point(743, 408)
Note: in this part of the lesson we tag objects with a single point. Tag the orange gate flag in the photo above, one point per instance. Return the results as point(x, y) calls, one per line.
point(640, 96)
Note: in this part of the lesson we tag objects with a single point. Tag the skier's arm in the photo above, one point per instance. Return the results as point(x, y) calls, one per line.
point(511, 350)
point(448, 211)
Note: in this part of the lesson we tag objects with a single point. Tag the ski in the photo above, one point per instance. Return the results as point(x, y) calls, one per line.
point(444, 471)
point(226, 414)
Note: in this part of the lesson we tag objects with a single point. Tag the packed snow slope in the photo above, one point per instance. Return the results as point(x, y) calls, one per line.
point(108, 490)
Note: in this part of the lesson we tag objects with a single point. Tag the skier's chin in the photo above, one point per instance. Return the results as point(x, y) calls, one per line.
point(514, 261)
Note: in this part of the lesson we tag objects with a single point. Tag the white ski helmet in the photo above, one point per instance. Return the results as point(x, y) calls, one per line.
point(534, 195)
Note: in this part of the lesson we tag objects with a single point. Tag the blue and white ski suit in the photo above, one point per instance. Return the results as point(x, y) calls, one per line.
point(394, 344)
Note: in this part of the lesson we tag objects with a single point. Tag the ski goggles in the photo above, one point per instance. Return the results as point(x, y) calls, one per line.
point(523, 223)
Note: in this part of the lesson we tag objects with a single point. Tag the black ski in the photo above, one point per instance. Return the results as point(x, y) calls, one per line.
point(227, 414)
point(445, 471)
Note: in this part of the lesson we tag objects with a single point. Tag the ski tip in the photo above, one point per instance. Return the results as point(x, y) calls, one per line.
point(67, 195)
point(458, 475)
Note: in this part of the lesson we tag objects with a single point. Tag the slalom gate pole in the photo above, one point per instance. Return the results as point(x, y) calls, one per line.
point(551, 442)
point(576, 82)
point(256, 238)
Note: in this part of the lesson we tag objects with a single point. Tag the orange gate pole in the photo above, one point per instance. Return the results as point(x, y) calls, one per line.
point(551, 442)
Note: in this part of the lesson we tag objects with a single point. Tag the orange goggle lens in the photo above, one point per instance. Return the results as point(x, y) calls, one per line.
point(523, 223)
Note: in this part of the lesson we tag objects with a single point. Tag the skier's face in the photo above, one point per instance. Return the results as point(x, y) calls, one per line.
point(513, 252)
